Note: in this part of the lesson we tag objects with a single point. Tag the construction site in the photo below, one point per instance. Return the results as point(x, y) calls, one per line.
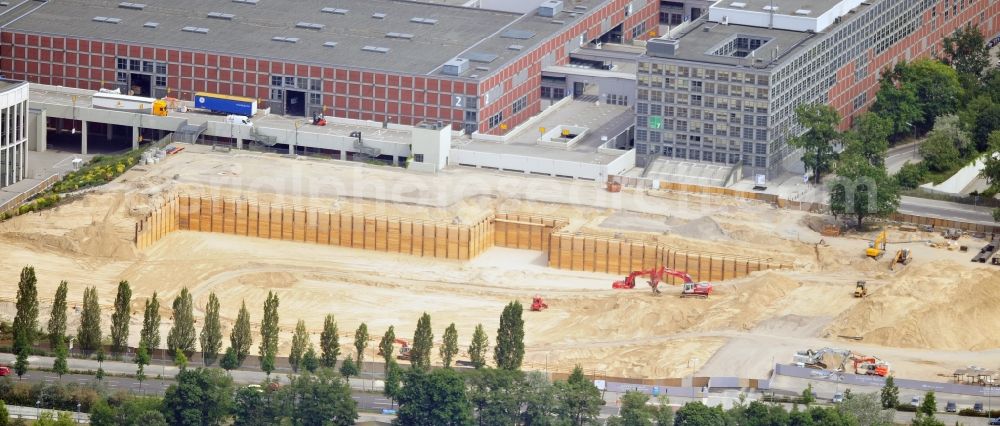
point(631, 283)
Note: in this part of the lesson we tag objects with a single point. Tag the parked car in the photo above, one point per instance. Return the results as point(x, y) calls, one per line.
point(915, 401)
point(4, 371)
point(995, 421)
point(977, 407)
point(950, 407)
point(838, 398)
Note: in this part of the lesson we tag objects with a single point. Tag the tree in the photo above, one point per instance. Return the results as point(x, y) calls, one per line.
point(509, 351)
point(434, 398)
point(950, 127)
point(120, 319)
point(807, 395)
point(240, 338)
point(211, 331)
point(966, 50)
point(229, 360)
point(309, 360)
point(866, 409)
point(59, 366)
point(269, 327)
point(141, 361)
point(929, 404)
point(89, 333)
point(180, 360)
point(322, 399)
point(937, 87)
point(182, 334)
point(361, 342)
point(577, 399)
point(200, 396)
point(862, 189)
point(386, 346)
point(423, 341)
point(869, 138)
point(817, 142)
point(150, 334)
point(539, 400)
point(21, 363)
point(4, 415)
point(393, 377)
point(267, 363)
point(991, 170)
point(665, 414)
point(897, 101)
point(255, 406)
point(26, 319)
point(100, 364)
point(450, 347)
point(496, 395)
point(698, 414)
point(329, 342)
point(911, 175)
point(939, 152)
point(634, 411)
point(987, 121)
point(923, 420)
point(477, 349)
point(348, 368)
point(299, 342)
point(889, 394)
point(57, 318)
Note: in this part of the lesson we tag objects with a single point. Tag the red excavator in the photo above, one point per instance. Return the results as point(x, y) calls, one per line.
point(656, 275)
point(404, 349)
point(537, 303)
point(870, 366)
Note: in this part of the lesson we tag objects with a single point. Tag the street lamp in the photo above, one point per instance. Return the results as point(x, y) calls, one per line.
point(78, 412)
point(38, 409)
point(298, 123)
point(914, 128)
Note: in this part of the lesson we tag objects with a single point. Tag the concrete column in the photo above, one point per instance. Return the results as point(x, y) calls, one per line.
point(110, 131)
point(395, 161)
point(83, 136)
point(41, 131)
point(239, 143)
point(135, 137)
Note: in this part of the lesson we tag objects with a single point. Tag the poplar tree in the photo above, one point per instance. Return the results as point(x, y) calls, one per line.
point(182, 334)
point(386, 347)
point(241, 338)
point(89, 333)
point(269, 327)
point(57, 318)
point(509, 350)
point(450, 347)
point(26, 319)
point(150, 334)
point(121, 318)
point(477, 350)
point(361, 343)
point(300, 340)
point(329, 342)
point(211, 331)
point(423, 341)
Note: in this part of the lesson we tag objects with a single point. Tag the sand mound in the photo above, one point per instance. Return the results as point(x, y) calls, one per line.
point(745, 303)
point(936, 305)
point(704, 228)
point(268, 279)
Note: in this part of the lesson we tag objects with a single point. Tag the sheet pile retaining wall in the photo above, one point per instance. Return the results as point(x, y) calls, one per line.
point(161, 221)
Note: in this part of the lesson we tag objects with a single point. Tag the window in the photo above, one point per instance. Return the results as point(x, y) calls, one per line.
point(134, 65)
point(161, 68)
point(761, 148)
point(161, 81)
point(122, 63)
point(290, 81)
point(642, 108)
point(121, 77)
point(276, 80)
point(748, 147)
point(546, 92)
point(315, 99)
point(315, 84)
point(656, 109)
point(471, 116)
point(418, 158)
point(762, 120)
point(147, 66)
point(641, 135)
point(760, 161)
point(520, 104)
point(277, 94)
point(613, 99)
point(495, 120)
point(760, 134)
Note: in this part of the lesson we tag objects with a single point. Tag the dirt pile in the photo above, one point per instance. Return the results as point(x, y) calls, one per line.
point(704, 228)
point(744, 303)
point(936, 306)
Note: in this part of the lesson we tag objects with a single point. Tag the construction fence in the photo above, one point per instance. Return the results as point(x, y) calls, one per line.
point(525, 231)
point(590, 253)
point(296, 223)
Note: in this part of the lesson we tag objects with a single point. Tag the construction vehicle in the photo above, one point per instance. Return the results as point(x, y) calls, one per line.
point(902, 258)
point(823, 359)
point(318, 120)
point(538, 304)
point(876, 249)
point(870, 366)
point(861, 289)
point(656, 276)
point(693, 289)
point(404, 349)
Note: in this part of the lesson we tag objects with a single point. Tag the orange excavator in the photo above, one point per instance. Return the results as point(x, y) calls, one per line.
point(404, 349)
point(870, 366)
point(656, 275)
point(538, 304)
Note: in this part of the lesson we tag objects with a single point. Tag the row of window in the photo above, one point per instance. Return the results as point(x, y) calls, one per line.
point(699, 86)
point(699, 100)
point(699, 155)
point(141, 65)
point(658, 69)
point(643, 108)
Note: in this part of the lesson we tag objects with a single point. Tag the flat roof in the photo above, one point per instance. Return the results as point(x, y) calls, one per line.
point(696, 44)
point(782, 7)
point(8, 84)
point(391, 35)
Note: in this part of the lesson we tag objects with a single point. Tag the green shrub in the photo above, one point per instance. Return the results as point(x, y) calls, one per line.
point(909, 408)
point(911, 175)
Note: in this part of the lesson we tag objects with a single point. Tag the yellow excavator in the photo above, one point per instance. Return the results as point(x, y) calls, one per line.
point(861, 290)
point(876, 249)
point(902, 257)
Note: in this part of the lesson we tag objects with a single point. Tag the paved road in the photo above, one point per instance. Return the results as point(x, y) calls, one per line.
point(946, 210)
point(899, 155)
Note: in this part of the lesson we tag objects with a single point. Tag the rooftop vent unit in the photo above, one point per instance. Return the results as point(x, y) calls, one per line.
point(135, 6)
point(550, 8)
point(330, 44)
point(425, 21)
point(310, 26)
point(457, 66)
point(151, 24)
point(580, 7)
point(480, 57)
point(285, 39)
point(557, 21)
point(803, 12)
point(482, 68)
point(403, 36)
point(107, 20)
point(518, 34)
point(738, 5)
point(515, 47)
point(770, 8)
point(220, 15)
point(195, 30)
point(334, 10)
point(245, 1)
point(378, 15)
point(4, 3)
point(375, 49)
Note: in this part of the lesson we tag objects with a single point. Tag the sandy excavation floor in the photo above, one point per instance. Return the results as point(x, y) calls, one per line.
point(932, 317)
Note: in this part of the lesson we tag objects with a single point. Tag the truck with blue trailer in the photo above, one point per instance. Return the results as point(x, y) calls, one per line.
point(225, 104)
